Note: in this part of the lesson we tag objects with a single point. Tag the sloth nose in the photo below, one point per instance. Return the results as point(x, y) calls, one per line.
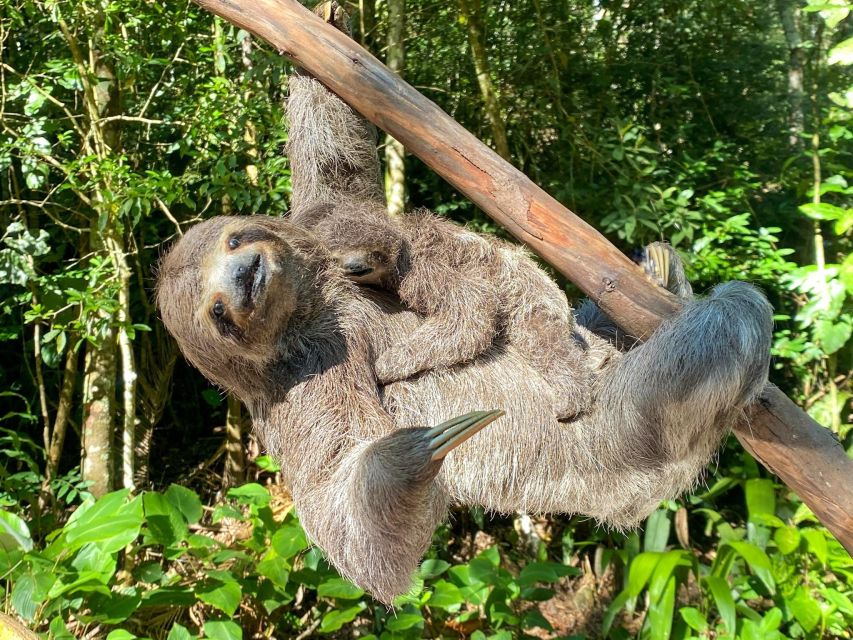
point(356, 267)
point(241, 272)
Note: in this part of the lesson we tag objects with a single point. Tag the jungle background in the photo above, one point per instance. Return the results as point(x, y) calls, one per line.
point(722, 126)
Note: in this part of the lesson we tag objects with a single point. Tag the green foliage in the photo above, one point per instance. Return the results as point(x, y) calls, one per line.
point(122, 559)
point(653, 120)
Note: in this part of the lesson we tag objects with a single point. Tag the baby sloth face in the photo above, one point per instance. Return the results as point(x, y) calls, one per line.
point(365, 264)
point(363, 240)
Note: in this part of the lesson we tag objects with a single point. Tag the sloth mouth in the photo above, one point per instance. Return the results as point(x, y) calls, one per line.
point(360, 273)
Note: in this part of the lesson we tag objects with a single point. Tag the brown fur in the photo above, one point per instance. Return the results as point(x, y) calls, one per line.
point(474, 290)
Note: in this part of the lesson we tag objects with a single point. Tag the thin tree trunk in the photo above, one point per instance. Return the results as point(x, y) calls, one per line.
point(63, 411)
point(98, 413)
point(395, 165)
point(99, 390)
point(367, 23)
point(235, 458)
point(789, 14)
point(250, 135)
point(471, 13)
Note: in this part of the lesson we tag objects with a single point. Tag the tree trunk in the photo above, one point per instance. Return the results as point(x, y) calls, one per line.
point(395, 165)
point(471, 13)
point(98, 413)
point(235, 457)
point(367, 23)
point(789, 14)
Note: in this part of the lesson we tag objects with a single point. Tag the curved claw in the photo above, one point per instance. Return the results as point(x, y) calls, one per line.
point(450, 434)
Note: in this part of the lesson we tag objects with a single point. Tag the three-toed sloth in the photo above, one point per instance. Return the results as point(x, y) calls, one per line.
point(262, 307)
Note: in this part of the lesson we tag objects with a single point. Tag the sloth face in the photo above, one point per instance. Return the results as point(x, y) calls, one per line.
point(241, 276)
point(227, 290)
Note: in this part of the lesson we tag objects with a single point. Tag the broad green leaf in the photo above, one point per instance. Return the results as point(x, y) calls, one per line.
point(664, 570)
point(177, 632)
point(14, 533)
point(112, 522)
point(289, 540)
point(832, 336)
point(445, 596)
point(661, 611)
point(339, 588)
point(771, 620)
point(816, 543)
point(335, 619)
point(251, 493)
point(113, 608)
point(722, 594)
point(93, 559)
point(544, 572)
point(266, 463)
point(694, 618)
point(805, 609)
point(24, 597)
point(787, 539)
point(403, 621)
point(222, 630)
point(166, 524)
point(760, 497)
point(758, 562)
point(274, 568)
point(640, 571)
point(432, 568)
point(120, 634)
point(225, 596)
point(185, 501)
point(822, 211)
point(657, 531)
point(842, 53)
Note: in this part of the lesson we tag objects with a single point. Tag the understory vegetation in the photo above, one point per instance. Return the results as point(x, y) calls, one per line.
point(134, 502)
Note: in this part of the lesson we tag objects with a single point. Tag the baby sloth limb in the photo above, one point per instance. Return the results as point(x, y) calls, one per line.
point(461, 322)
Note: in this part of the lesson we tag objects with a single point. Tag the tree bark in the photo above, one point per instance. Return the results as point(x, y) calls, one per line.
point(395, 163)
point(471, 13)
point(789, 14)
point(804, 454)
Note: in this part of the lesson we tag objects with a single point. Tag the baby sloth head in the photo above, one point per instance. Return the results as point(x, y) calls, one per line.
point(226, 292)
point(364, 242)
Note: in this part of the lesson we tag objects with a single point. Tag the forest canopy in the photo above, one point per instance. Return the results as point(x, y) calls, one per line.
point(722, 127)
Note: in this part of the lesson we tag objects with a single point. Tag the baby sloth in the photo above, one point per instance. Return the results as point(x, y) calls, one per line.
point(474, 290)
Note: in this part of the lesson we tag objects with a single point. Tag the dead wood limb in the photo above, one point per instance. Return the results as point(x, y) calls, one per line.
point(778, 433)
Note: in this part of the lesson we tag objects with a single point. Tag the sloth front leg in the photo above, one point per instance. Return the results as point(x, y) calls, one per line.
point(375, 515)
point(461, 323)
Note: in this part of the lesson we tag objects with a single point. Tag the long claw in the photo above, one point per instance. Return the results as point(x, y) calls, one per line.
point(450, 434)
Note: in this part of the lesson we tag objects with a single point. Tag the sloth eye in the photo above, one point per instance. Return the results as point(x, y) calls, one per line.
point(378, 256)
point(218, 309)
point(233, 242)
